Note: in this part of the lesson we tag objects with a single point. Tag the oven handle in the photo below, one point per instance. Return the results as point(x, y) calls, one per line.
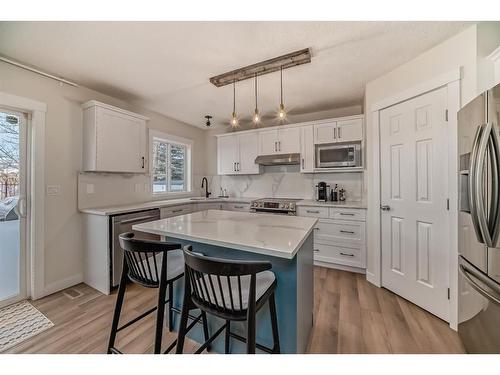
point(466, 272)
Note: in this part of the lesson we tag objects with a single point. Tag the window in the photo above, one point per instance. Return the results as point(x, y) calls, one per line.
point(171, 167)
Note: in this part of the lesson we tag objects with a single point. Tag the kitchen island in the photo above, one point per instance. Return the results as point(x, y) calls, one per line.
point(285, 241)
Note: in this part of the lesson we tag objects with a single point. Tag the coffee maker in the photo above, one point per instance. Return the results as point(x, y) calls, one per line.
point(322, 191)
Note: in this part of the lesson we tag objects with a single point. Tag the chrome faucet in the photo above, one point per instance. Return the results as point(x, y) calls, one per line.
point(204, 184)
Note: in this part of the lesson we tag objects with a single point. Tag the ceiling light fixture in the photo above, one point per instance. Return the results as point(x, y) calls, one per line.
point(281, 112)
point(256, 115)
point(234, 118)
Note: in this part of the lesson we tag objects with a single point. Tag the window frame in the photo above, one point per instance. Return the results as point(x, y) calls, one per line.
point(188, 173)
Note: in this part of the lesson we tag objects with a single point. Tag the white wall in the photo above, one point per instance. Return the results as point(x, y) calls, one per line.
point(63, 226)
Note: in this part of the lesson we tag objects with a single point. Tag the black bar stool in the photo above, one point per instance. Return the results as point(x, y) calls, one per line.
point(231, 290)
point(151, 264)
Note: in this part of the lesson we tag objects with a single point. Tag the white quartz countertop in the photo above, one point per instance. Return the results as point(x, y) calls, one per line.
point(345, 204)
point(275, 235)
point(122, 209)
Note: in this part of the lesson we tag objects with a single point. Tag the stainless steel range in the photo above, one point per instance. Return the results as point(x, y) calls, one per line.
point(280, 206)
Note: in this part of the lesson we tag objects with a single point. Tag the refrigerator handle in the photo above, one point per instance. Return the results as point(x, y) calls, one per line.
point(473, 183)
point(468, 273)
point(494, 215)
point(479, 185)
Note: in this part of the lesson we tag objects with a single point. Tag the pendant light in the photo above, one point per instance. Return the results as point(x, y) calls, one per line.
point(234, 118)
point(256, 115)
point(281, 112)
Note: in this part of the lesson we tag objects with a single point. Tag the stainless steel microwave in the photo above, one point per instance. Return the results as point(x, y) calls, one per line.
point(338, 155)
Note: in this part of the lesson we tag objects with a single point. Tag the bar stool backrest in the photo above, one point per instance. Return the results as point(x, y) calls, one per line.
point(221, 285)
point(143, 262)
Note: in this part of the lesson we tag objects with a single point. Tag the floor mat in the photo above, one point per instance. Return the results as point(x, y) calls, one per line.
point(19, 322)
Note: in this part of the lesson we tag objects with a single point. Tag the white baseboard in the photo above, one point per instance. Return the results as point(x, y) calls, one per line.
point(340, 267)
point(60, 285)
point(371, 278)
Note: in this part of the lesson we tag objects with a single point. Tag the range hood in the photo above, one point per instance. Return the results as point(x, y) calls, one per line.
point(282, 159)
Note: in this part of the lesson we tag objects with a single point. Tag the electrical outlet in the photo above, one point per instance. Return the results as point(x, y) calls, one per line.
point(53, 189)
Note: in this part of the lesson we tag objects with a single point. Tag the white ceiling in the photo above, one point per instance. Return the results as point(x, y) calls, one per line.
point(165, 66)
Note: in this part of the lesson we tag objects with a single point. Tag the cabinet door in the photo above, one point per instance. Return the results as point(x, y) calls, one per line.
point(120, 142)
point(306, 149)
point(350, 130)
point(248, 151)
point(227, 154)
point(325, 133)
point(268, 142)
point(289, 141)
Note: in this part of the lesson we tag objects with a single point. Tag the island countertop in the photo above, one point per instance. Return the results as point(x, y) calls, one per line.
point(274, 235)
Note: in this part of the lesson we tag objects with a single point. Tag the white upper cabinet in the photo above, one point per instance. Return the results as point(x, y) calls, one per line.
point(114, 140)
point(348, 130)
point(289, 140)
point(325, 133)
point(279, 141)
point(306, 149)
point(236, 154)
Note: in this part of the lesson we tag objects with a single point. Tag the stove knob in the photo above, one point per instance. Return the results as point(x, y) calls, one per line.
point(287, 206)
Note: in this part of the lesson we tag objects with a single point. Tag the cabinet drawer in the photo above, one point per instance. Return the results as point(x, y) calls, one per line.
point(340, 254)
point(175, 211)
point(321, 212)
point(236, 206)
point(208, 206)
point(337, 230)
point(347, 214)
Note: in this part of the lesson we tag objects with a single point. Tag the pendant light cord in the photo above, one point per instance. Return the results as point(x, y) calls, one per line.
point(234, 95)
point(281, 83)
point(255, 90)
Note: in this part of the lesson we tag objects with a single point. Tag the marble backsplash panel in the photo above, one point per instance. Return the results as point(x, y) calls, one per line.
point(286, 182)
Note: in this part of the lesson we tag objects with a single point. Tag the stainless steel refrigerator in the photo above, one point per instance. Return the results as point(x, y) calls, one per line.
point(479, 223)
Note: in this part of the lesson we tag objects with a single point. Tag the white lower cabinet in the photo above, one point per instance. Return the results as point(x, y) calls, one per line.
point(176, 210)
point(339, 236)
point(209, 206)
point(236, 207)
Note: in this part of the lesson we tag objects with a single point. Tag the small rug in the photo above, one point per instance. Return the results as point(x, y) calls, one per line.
point(19, 322)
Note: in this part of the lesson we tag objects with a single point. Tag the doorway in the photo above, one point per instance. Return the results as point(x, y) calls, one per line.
point(415, 225)
point(13, 206)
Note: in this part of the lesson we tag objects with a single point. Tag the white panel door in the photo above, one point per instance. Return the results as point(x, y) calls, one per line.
point(325, 133)
point(306, 149)
point(414, 184)
point(289, 141)
point(120, 142)
point(227, 154)
point(249, 150)
point(350, 130)
point(268, 142)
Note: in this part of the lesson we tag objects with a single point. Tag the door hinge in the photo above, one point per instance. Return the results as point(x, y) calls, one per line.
point(448, 204)
point(448, 293)
point(446, 115)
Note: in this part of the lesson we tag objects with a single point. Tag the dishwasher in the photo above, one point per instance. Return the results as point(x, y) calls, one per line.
point(121, 224)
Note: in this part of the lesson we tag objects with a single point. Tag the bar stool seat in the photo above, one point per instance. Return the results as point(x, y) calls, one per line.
point(264, 281)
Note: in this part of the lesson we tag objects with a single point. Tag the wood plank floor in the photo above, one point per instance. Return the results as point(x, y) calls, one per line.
point(351, 316)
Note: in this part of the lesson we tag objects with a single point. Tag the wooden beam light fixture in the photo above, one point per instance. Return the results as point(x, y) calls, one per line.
point(289, 60)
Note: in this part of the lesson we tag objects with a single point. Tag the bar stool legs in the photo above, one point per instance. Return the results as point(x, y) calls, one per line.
point(118, 309)
point(228, 336)
point(274, 325)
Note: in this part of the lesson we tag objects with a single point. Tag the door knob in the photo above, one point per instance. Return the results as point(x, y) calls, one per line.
point(385, 208)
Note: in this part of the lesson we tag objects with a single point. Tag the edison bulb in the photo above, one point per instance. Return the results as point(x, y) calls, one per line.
point(256, 117)
point(281, 112)
point(234, 120)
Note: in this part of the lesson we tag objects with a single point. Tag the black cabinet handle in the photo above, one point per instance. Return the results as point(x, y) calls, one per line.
point(346, 214)
point(346, 231)
point(347, 255)
point(142, 162)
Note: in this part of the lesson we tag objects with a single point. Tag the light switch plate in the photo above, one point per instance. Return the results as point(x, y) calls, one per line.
point(90, 188)
point(53, 189)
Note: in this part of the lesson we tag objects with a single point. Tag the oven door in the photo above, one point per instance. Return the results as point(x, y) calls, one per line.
point(333, 156)
point(273, 211)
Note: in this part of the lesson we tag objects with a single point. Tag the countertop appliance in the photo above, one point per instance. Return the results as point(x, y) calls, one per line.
point(121, 224)
point(322, 191)
point(282, 206)
point(338, 155)
point(479, 223)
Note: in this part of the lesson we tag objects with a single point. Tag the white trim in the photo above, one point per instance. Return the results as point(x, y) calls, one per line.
point(452, 81)
point(422, 88)
point(495, 55)
point(36, 243)
point(95, 103)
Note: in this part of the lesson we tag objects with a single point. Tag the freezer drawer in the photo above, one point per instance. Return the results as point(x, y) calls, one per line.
point(479, 310)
